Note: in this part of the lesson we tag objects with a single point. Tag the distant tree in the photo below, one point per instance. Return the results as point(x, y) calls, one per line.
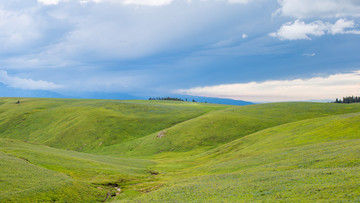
point(348, 100)
point(18, 102)
point(166, 98)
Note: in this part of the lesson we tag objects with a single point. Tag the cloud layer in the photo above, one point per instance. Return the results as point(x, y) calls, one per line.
point(26, 84)
point(317, 88)
point(161, 45)
point(72, 31)
point(300, 30)
point(319, 8)
point(134, 2)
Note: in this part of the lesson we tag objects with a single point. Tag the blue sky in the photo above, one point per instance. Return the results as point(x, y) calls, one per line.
point(254, 50)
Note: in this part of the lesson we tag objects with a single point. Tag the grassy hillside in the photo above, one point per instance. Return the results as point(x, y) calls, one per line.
point(311, 160)
point(32, 172)
point(87, 124)
point(222, 126)
point(207, 153)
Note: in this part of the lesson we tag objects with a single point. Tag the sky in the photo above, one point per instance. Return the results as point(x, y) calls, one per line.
point(253, 50)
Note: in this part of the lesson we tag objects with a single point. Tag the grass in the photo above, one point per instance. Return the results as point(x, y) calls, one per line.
point(222, 126)
point(32, 172)
point(290, 152)
point(284, 163)
point(20, 179)
point(287, 186)
point(84, 125)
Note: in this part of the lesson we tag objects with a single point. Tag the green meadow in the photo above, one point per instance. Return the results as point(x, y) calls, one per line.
point(72, 150)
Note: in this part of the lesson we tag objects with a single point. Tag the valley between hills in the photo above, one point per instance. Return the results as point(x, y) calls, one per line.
point(87, 150)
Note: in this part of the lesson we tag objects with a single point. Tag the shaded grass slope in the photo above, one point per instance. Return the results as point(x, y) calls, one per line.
point(36, 173)
point(88, 124)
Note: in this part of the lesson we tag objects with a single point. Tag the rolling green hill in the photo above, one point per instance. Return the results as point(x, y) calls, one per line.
point(88, 124)
point(222, 126)
point(32, 172)
point(310, 160)
point(205, 153)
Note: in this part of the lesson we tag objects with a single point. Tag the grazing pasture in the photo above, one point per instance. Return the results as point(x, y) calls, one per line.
point(69, 150)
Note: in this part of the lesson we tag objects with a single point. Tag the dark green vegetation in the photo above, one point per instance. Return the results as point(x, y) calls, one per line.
point(177, 151)
point(166, 98)
point(348, 100)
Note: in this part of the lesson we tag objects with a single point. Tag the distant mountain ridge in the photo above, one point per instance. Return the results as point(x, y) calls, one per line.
point(13, 92)
point(218, 100)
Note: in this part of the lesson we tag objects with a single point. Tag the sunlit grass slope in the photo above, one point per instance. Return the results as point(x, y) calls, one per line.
point(311, 160)
point(222, 126)
point(34, 173)
point(207, 153)
point(88, 124)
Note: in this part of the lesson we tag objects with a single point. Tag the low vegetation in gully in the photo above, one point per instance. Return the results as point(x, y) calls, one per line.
point(76, 150)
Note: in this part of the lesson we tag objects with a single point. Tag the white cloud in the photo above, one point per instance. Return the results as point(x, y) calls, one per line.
point(18, 29)
point(26, 84)
point(244, 36)
point(126, 2)
point(300, 30)
point(148, 2)
point(319, 8)
point(340, 27)
point(136, 2)
point(309, 54)
point(50, 2)
point(239, 1)
point(317, 88)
